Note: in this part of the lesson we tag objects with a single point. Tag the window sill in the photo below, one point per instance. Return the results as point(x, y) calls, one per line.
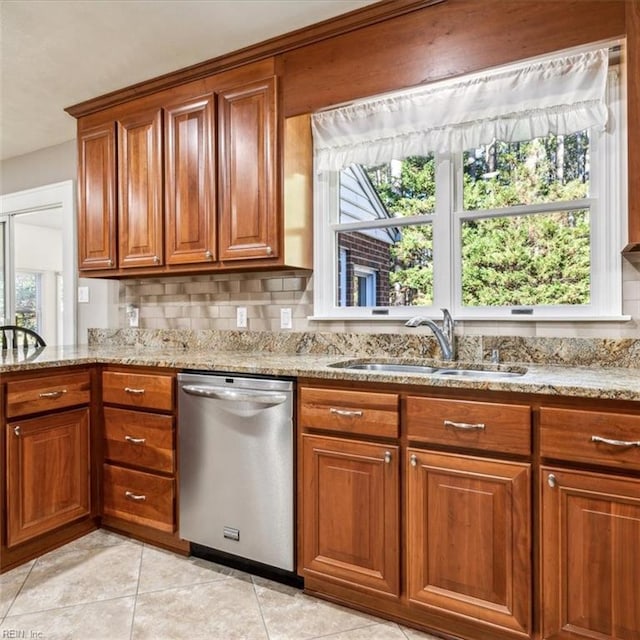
point(463, 318)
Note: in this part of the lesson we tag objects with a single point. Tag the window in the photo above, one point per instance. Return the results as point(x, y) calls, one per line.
point(499, 228)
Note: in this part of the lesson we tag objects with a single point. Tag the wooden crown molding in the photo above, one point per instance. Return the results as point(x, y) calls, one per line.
point(324, 30)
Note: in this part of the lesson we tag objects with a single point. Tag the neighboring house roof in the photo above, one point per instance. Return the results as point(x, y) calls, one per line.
point(359, 202)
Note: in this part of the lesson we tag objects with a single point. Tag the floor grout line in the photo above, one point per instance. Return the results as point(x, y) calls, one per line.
point(68, 606)
point(264, 622)
point(135, 598)
point(18, 592)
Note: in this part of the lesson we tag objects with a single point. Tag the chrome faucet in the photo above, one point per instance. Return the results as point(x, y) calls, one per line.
point(446, 336)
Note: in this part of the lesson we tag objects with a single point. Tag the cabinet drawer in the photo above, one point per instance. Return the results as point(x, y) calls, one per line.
point(473, 425)
point(350, 411)
point(140, 439)
point(143, 498)
point(147, 391)
point(569, 434)
point(48, 393)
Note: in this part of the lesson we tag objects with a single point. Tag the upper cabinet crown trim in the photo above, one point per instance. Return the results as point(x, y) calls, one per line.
point(332, 27)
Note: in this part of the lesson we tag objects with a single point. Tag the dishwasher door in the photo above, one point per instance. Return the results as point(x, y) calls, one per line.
point(236, 466)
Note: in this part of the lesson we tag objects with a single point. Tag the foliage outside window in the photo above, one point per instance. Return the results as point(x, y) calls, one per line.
point(505, 229)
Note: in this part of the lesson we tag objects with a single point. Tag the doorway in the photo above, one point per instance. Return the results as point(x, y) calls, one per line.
point(37, 262)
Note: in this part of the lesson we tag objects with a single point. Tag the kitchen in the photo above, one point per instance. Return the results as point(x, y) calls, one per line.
point(188, 319)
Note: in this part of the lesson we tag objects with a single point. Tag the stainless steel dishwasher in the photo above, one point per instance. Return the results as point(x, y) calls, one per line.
point(236, 466)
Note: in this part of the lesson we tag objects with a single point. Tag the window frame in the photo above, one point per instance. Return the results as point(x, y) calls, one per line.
point(607, 193)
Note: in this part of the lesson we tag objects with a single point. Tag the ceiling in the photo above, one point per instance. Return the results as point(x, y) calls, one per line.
point(56, 53)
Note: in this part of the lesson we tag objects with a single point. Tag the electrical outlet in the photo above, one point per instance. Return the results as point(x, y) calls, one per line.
point(83, 294)
point(285, 319)
point(241, 317)
point(133, 315)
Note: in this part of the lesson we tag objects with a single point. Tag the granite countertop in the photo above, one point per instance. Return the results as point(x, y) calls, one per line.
point(588, 382)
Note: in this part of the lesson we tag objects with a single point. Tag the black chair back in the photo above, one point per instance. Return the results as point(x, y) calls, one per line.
point(14, 337)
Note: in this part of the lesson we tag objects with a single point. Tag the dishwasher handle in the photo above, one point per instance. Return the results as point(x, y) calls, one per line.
point(257, 399)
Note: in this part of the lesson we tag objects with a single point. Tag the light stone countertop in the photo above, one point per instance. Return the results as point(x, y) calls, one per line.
point(587, 382)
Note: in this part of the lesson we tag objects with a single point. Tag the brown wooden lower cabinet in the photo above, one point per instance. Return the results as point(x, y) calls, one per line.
point(468, 540)
point(590, 550)
point(47, 473)
point(351, 513)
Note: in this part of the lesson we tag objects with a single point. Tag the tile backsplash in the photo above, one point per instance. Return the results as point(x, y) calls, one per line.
point(210, 302)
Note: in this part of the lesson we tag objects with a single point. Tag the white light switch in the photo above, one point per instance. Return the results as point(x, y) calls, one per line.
point(285, 319)
point(241, 317)
point(83, 294)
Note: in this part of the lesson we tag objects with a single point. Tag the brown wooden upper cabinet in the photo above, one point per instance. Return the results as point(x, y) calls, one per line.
point(201, 179)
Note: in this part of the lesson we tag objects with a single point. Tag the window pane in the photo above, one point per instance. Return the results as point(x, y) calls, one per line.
point(538, 259)
point(396, 261)
point(28, 296)
point(3, 307)
point(551, 169)
point(395, 189)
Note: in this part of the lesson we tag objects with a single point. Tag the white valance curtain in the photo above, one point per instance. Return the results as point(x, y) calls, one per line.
point(560, 96)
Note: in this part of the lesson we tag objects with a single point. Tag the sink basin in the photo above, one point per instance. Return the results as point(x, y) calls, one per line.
point(386, 367)
point(478, 373)
point(401, 367)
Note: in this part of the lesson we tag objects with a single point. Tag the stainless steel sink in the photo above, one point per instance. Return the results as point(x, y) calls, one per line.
point(402, 367)
point(478, 373)
point(385, 367)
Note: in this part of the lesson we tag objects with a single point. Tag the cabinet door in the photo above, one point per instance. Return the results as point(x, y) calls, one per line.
point(350, 513)
point(248, 171)
point(468, 538)
point(590, 556)
point(190, 182)
point(97, 198)
point(140, 204)
point(47, 473)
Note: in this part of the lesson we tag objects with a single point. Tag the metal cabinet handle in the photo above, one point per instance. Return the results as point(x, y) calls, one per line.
point(133, 440)
point(208, 255)
point(387, 457)
point(53, 394)
point(16, 430)
point(156, 260)
point(134, 391)
point(616, 443)
point(350, 413)
point(463, 425)
point(110, 262)
point(269, 251)
point(413, 460)
point(551, 480)
point(135, 497)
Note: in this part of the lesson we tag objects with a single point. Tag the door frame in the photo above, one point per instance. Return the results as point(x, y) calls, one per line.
point(59, 195)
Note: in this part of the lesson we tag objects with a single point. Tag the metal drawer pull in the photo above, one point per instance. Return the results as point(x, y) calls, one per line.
point(551, 480)
point(53, 394)
point(133, 440)
point(134, 497)
point(387, 457)
point(413, 460)
point(16, 430)
point(463, 425)
point(134, 391)
point(616, 443)
point(350, 413)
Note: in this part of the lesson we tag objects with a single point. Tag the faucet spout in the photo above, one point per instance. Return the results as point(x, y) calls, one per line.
point(444, 336)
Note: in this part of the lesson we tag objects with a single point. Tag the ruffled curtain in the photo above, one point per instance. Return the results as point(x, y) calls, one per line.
point(559, 96)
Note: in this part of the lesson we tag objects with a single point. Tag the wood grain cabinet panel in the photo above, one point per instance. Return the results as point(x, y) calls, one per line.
point(190, 193)
point(48, 393)
point(483, 426)
point(140, 219)
point(143, 498)
point(139, 439)
point(47, 473)
point(140, 390)
point(248, 171)
point(350, 412)
point(590, 556)
point(468, 539)
point(351, 514)
point(97, 198)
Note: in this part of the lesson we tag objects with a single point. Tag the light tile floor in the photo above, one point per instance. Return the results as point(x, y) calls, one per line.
point(107, 587)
